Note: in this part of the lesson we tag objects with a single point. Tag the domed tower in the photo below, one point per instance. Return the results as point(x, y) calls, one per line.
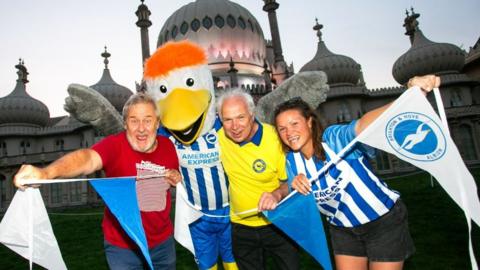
point(143, 15)
point(280, 70)
point(427, 57)
point(458, 91)
point(345, 80)
point(230, 35)
point(19, 108)
point(107, 87)
point(341, 70)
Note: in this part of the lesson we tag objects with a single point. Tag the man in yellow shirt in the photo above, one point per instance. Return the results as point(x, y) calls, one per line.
point(254, 162)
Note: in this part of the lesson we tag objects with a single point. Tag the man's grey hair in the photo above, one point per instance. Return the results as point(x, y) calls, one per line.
point(138, 98)
point(234, 93)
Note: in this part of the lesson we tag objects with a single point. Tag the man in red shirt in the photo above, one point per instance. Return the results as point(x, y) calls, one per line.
point(137, 150)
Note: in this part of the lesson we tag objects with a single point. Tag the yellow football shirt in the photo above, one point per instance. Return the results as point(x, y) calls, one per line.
point(252, 168)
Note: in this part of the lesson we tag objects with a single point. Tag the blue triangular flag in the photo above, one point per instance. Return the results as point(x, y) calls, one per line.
point(299, 218)
point(120, 196)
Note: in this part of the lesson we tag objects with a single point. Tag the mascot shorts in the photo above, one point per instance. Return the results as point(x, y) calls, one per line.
point(211, 239)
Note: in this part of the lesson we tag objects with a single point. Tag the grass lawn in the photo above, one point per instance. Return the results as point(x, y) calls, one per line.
point(437, 225)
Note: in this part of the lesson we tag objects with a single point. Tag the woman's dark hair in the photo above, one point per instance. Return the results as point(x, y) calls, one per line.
point(307, 112)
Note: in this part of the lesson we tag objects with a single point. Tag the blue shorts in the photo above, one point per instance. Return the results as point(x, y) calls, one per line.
point(211, 239)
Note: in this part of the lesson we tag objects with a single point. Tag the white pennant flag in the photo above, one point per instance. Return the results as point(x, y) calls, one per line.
point(411, 130)
point(185, 214)
point(26, 229)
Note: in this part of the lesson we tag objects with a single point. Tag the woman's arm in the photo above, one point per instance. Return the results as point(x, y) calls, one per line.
point(426, 83)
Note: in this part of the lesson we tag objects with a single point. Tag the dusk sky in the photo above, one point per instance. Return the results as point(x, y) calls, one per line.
point(61, 41)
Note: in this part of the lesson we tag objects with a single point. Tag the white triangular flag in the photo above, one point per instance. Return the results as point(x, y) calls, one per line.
point(411, 130)
point(185, 214)
point(15, 230)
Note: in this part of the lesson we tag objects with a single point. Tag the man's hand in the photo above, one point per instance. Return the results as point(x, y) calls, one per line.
point(28, 172)
point(268, 201)
point(426, 83)
point(173, 177)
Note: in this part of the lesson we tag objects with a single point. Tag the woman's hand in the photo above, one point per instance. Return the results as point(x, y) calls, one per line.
point(426, 83)
point(302, 184)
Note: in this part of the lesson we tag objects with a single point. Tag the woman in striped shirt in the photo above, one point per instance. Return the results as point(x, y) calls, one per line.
point(367, 220)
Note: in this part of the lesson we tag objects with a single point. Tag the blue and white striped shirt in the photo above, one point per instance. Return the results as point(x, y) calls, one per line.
point(202, 171)
point(349, 193)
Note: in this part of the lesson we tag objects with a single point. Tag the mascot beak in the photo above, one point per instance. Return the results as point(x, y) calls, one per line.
point(183, 111)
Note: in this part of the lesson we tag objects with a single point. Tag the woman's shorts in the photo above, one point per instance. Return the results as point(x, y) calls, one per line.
point(386, 239)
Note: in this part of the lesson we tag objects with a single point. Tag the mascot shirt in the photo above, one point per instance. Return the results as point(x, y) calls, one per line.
point(203, 174)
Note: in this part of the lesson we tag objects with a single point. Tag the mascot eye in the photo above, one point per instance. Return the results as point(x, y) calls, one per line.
point(163, 89)
point(190, 82)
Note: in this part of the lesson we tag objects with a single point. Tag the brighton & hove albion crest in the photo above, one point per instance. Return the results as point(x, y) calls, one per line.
point(211, 138)
point(416, 136)
point(259, 165)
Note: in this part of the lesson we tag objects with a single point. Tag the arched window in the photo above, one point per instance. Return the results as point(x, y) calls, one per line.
point(207, 22)
point(174, 31)
point(75, 191)
point(344, 114)
point(59, 144)
point(241, 23)
point(56, 193)
point(184, 28)
point(3, 149)
point(382, 161)
point(24, 145)
point(231, 21)
point(195, 25)
point(3, 191)
point(465, 143)
point(456, 98)
point(219, 21)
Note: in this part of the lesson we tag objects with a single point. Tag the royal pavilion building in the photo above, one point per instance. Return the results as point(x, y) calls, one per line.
point(240, 55)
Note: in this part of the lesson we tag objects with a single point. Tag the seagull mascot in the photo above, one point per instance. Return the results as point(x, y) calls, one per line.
point(177, 76)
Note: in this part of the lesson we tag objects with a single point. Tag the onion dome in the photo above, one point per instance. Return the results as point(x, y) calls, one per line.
point(19, 107)
point(223, 28)
point(107, 87)
point(425, 56)
point(340, 69)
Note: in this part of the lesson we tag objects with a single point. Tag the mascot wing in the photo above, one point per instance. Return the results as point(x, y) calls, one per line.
point(310, 86)
point(88, 106)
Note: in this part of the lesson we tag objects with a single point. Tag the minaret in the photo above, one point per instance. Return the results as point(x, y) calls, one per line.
point(143, 14)
point(22, 73)
point(318, 28)
point(270, 7)
point(116, 94)
point(233, 74)
point(411, 24)
point(266, 76)
point(106, 55)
